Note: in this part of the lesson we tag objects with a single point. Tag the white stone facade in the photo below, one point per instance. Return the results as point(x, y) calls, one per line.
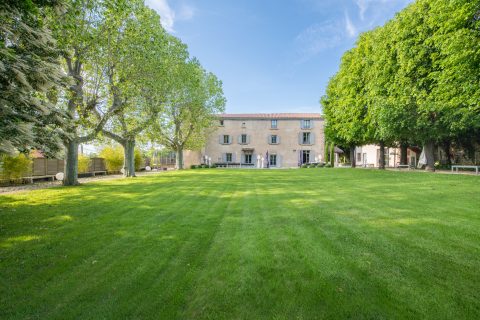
point(246, 139)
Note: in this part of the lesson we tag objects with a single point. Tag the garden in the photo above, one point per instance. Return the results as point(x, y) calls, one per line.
point(244, 244)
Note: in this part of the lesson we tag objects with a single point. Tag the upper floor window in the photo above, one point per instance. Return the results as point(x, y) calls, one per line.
point(243, 139)
point(274, 124)
point(273, 139)
point(221, 123)
point(243, 125)
point(306, 124)
point(306, 138)
point(225, 139)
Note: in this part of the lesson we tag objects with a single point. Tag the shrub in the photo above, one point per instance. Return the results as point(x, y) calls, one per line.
point(15, 167)
point(213, 166)
point(113, 158)
point(139, 162)
point(193, 166)
point(328, 165)
point(83, 164)
point(304, 166)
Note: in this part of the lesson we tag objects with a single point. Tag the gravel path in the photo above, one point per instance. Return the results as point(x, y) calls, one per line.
point(50, 184)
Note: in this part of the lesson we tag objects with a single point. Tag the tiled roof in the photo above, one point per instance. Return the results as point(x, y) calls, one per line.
point(270, 116)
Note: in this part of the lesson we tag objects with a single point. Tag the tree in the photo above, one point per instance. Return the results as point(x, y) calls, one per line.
point(142, 84)
point(195, 99)
point(29, 76)
point(81, 37)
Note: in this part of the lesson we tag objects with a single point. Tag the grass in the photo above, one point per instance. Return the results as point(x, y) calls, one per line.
point(226, 244)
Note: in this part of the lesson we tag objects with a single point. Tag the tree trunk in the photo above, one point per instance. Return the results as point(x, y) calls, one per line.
point(446, 150)
point(332, 154)
point(353, 159)
point(430, 156)
point(129, 158)
point(71, 163)
point(403, 153)
point(180, 158)
point(381, 160)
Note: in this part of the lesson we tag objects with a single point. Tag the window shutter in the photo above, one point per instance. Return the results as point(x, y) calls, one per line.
point(300, 138)
point(242, 158)
point(279, 161)
point(312, 138)
point(239, 139)
point(230, 139)
point(254, 159)
point(301, 124)
point(234, 156)
point(269, 139)
point(278, 139)
point(224, 157)
point(248, 139)
point(220, 139)
point(311, 124)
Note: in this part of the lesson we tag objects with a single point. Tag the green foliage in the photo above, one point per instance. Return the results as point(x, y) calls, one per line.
point(30, 74)
point(193, 166)
point(14, 167)
point(83, 164)
point(413, 80)
point(139, 160)
point(114, 157)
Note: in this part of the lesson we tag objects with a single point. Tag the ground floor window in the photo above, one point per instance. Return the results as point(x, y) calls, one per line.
point(248, 158)
point(305, 156)
point(359, 157)
point(228, 157)
point(273, 160)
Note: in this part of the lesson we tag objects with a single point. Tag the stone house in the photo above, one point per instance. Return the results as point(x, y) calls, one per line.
point(274, 140)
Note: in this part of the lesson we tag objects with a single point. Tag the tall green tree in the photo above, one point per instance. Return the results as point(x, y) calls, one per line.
point(80, 33)
point(189, 113)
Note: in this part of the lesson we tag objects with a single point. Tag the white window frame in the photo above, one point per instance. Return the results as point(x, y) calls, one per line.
point(241, 138)
point(274, 124)
point(307, 141)
point(304, 124)
point(227, 156)
point(248, 155)
point(276, 139)
point(228, 139)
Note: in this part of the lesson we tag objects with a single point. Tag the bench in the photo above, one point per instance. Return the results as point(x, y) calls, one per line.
point(404, 166)
point(31, 178)
point(99, 172)
point(456, 167)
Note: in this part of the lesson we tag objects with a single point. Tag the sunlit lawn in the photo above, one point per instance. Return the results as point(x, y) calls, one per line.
point(220, 244)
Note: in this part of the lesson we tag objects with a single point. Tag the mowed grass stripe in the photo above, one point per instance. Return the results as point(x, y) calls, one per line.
point(243, 244)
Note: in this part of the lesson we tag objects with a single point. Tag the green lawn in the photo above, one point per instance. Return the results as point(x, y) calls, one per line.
point(230, 244)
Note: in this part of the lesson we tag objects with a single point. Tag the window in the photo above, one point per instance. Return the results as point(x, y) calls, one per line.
point(306, 138)
point(274, 124)
point(273, 160)
point(359, 157)
point(248, 158)
point(228, 157)
point(226, 139)
point(305, 156)
point(274, 139)
point(306, 124)
point(243, 139)
point(221, 123)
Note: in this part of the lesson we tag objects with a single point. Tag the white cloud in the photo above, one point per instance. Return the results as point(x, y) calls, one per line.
point(349, 26)
point(169, 16)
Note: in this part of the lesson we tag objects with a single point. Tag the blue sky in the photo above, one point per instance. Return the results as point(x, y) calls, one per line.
point(272, 56)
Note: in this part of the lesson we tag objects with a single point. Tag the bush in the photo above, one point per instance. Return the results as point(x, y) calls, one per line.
point(139, 162)
point(328, 165)
point(113, 158)
point(193, 166)
point(304, 166)
point(15, 167)
point(213, 166)
point(83, 164)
